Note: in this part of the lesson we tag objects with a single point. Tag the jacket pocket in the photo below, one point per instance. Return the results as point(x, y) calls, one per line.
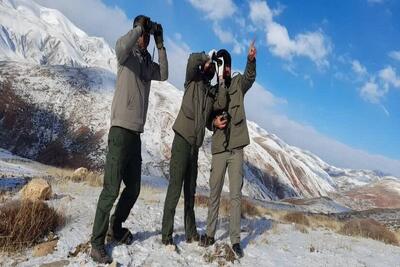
point(237, 115)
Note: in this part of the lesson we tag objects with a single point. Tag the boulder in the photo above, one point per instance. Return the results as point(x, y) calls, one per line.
point(36, 189)
point(44, 249)
point(80, 174)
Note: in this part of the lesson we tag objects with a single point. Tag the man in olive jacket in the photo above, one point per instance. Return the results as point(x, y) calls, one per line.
point(227, 150)
point(136, 70)
point(198, 102)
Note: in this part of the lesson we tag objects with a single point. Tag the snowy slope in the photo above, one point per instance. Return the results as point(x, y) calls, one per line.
point(32, 33)
point(266, 242)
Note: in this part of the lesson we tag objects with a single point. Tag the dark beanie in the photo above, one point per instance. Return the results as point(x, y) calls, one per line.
point(136, 20)
point(225, 55)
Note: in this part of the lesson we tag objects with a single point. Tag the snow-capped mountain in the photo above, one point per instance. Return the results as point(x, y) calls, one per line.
point(44, 36)
point(58, 112)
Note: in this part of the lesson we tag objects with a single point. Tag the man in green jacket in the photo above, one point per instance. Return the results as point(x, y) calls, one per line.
point(136, 70)
point(227, 150)
point(198, 102)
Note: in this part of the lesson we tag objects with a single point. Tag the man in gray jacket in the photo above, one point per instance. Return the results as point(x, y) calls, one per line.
point(136, 70)
point(198, 102)
point(227, 149)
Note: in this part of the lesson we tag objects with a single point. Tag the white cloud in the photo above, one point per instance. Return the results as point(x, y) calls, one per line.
point(94, 17)
point(371, 92)
point(260, 13)
point(227, 37)
point(215, 9)
point(178, 54)
point(395, 55)
point(389, 77)
point(313, 45)
point(358, 68)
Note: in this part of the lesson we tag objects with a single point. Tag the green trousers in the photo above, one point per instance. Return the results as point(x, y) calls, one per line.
point(233, 161)
point(183, 173)
point(123, 163)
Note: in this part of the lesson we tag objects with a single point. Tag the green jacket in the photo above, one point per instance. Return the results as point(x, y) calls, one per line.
point(136, 70)
point(199, 100)
point(236, 134)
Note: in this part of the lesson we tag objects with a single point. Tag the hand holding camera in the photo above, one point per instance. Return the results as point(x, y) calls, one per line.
point(221, 121)
point(157, 31)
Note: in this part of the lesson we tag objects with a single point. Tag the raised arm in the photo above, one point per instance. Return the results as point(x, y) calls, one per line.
point(160, 70)
point(126, 43)
point(249, 76)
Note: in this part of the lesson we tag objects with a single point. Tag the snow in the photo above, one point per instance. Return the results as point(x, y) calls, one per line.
point(262, 238)
point(35, 34)
point(10, 166)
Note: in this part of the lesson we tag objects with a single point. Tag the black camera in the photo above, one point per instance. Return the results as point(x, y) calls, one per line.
point(225, 115)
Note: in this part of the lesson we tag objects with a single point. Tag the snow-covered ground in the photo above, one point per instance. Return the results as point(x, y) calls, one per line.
point(265, 242)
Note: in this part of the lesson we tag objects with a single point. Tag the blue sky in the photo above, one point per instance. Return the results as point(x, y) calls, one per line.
point(328, 72)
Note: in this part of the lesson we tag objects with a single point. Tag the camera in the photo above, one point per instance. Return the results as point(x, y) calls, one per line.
point(225, 115)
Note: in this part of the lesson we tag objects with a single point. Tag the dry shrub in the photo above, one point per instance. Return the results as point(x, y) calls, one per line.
point(247, 207)
point(150, 194)
point(59, 173)
point(301, 228)
point(250, 209)
point(369, 228)
point(296, 217)
point(324, 221)
point(92, 178)
point(201, 201)
point(25, 223)
point(95, 179)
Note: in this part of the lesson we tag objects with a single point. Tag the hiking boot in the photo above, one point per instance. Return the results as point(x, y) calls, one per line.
point(238, 250)
point(124, 236)
point(168, 242)
point(206, 241)
point(195, 238)
point(100, 255)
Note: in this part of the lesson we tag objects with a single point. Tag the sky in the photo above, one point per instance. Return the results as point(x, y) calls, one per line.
point(328, 72)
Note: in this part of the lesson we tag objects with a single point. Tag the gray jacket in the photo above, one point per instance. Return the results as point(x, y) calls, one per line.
point(136, 70)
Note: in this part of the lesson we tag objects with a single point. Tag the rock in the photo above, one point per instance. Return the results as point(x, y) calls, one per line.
point(80, 174)
point(59, 263)
point(113, 264)
point(37, 189)
point(44, 248)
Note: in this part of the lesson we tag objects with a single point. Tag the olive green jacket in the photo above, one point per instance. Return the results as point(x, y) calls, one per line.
point(199, 100)
point(236, 134)
point(136, 70)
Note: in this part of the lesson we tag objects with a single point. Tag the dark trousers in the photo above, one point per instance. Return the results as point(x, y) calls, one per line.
point(123, 163)
point(183, 172)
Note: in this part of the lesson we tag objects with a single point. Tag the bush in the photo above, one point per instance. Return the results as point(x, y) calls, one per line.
point(297, 217)
point(369, 228)
point(25, 223)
